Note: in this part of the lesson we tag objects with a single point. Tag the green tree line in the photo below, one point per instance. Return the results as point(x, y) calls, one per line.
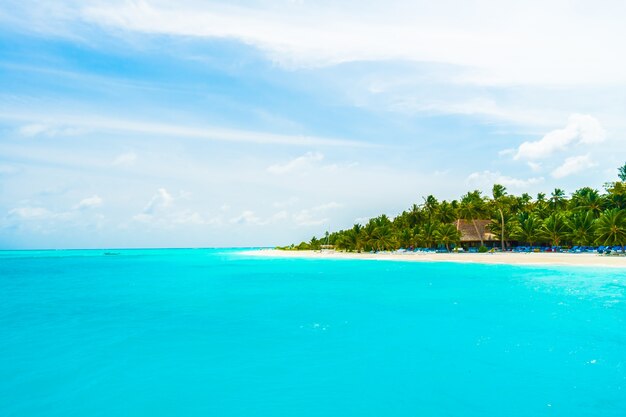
point(588, 217)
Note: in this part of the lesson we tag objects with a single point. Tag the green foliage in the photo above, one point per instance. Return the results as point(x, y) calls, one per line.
point(447, 234)
point(621, 173)
point(588, 217)
point(616, 194)
point(611, 228)
point(588, 199)
point(427, 237)
point(527, 228)
point(554, 229)
point(314, 244)
point(557, 199)
point(483, 249)
point(581, 226)
point(303, 246)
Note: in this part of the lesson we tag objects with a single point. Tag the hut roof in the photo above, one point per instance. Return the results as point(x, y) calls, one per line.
point(468, 232)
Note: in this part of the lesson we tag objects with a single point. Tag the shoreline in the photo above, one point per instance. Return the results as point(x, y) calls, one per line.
point(498, 258)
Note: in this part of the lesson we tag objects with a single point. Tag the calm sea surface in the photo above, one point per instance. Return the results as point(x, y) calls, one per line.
point(217, 333)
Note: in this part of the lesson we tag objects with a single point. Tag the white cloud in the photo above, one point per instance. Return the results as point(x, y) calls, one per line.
point(160, 200)
point(505, 152)
point(144, 218)
point(247, 217)
point(125, 159)
point(32, 130)
point(580, 129)
point(51, 130)
point(281, 215)
point(306, 218)
point(486, 179)
point(534, 166)
point(192, 217)
point(296, 164)
point(500, 41)
point(28, 213)
point(573, 165)
point(89, 202)
point(314, 216)
point(162, 212)
point(479, 107)
point(76, 124)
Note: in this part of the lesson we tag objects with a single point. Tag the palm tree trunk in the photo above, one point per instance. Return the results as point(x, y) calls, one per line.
point(502, 229)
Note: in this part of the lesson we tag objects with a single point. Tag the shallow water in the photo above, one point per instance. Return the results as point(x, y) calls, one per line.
point(218, 333)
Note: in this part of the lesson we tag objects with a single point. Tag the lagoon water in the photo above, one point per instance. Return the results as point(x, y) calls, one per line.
point(217, 333)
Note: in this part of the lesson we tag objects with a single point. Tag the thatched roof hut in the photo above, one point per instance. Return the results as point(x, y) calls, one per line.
point(468, 231)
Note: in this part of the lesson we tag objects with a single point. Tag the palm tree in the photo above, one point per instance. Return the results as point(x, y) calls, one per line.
point(472, 208)
point(404, 238)
point(541, 207)
point(495, 227)
point(446, 213)
point(621, 173)
point(426, 235)
point(314, 243)
point(557, 199)
point(525, 202)
point(415, 215)
point(382, 238)
point(447, 234)
point(498, 194)
point(430, 206)
point(581, 227)
point(588, 199)
point(616, 196)
point(351, 239)
point(367, 234)
point(611, 228)
point(554, 228)
point(527, 228)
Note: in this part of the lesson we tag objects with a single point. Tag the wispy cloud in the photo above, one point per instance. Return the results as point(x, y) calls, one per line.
point(225, 99)
point(162, 199)
point(89, 202)
point(501, 42)
point(28, 213)
point(125, 159)
point(316, 215)
point(573, 165)
point(247, 217)
point(299, 163)
point(580, 129)
point(164, 211)
point(50, 130)
point(486, 179)
point(65, 123)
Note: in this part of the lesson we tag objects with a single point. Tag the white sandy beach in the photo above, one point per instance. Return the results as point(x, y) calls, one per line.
point(547, 259)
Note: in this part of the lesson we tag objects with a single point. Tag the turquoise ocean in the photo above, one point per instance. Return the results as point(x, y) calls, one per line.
point(212, 332)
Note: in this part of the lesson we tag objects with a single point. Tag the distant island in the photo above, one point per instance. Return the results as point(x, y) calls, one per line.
point(587, 220)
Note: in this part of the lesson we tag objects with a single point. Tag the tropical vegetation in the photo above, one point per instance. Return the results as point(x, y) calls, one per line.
point(587, 217)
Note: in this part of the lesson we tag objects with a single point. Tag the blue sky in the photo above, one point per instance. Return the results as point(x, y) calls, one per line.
point(142, 124)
